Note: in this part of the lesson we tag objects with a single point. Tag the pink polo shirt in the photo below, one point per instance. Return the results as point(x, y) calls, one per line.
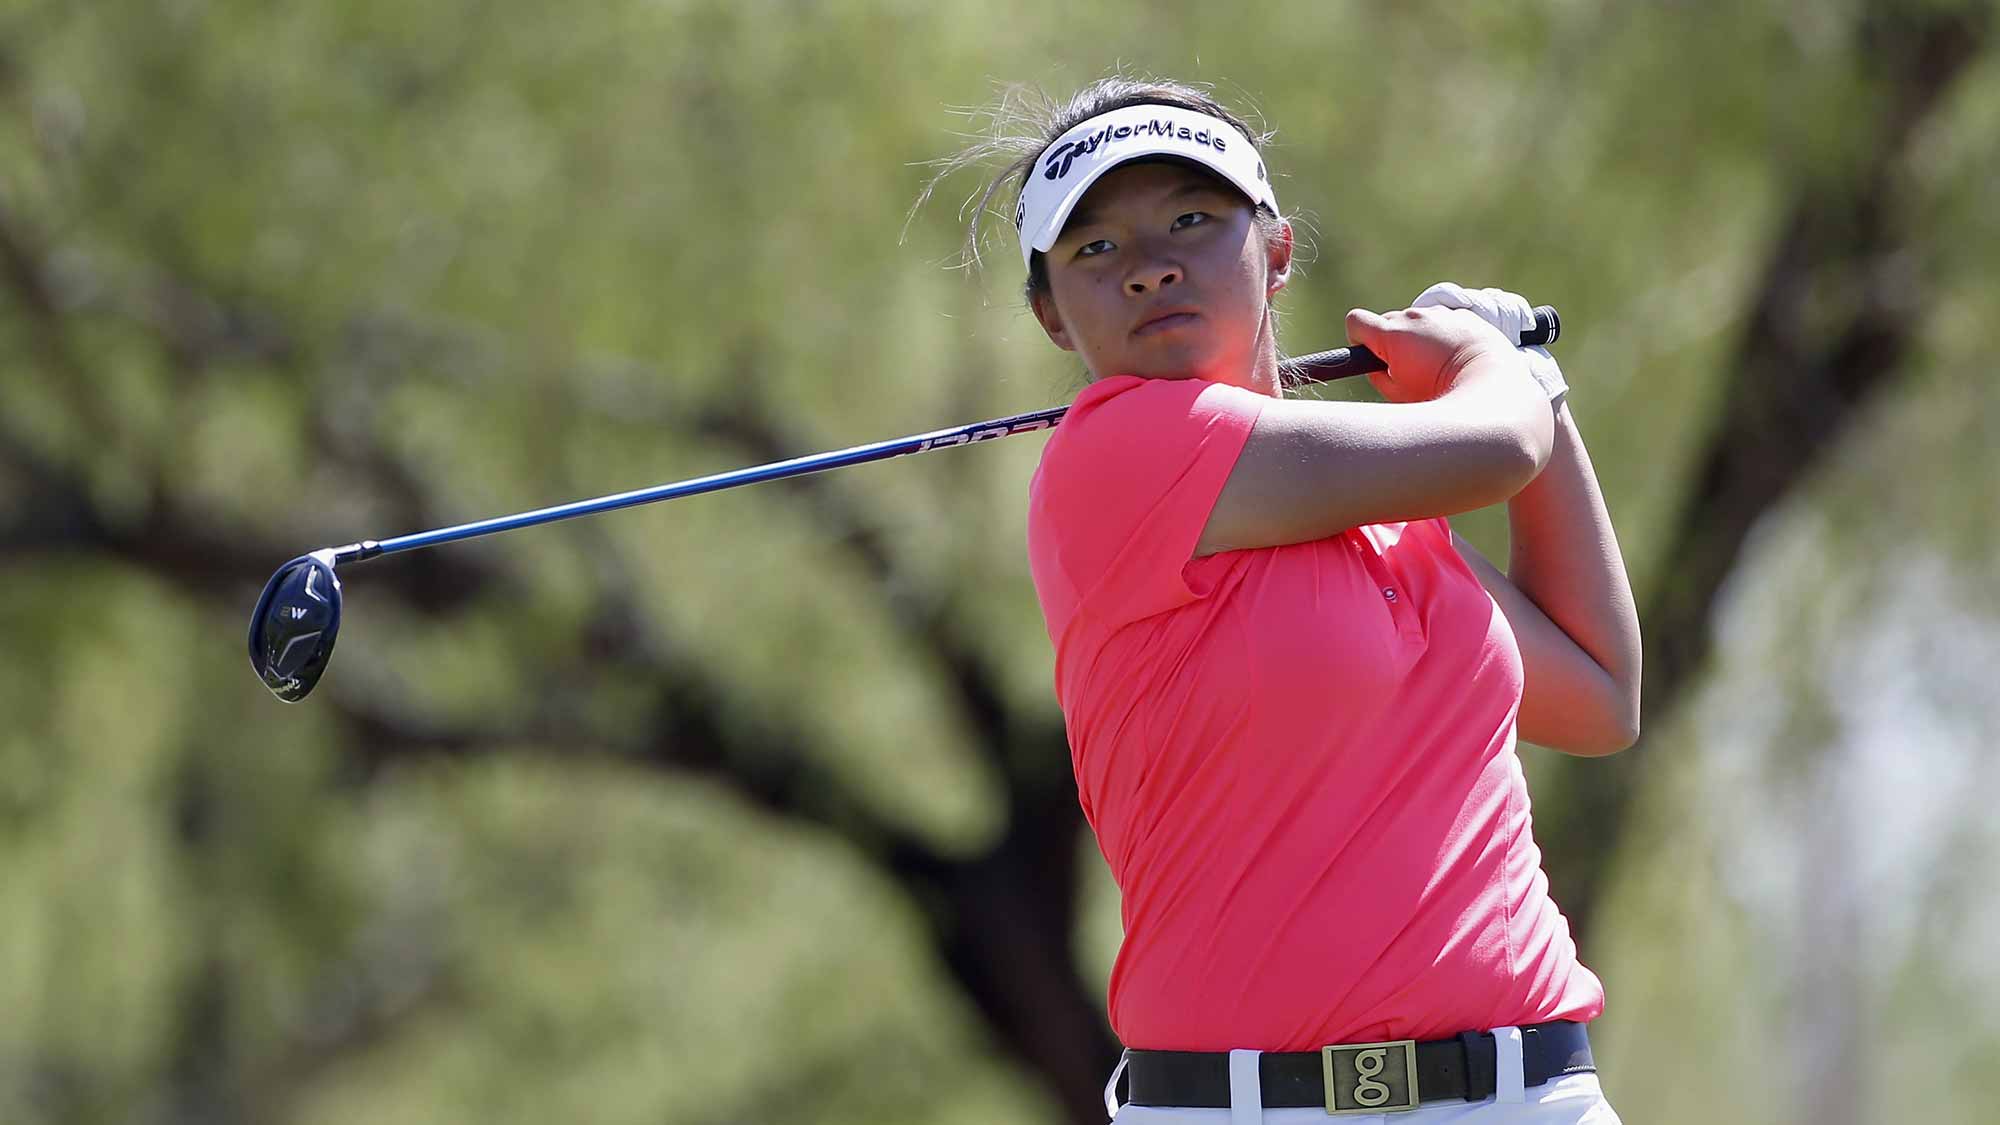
point(1299, 761)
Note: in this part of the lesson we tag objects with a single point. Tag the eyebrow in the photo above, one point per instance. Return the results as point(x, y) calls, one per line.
point(1084, 216)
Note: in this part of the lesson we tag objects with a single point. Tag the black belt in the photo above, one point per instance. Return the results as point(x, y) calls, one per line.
point(1365, 1077)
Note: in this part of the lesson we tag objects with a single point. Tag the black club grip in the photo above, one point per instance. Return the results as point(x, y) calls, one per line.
point(1342, 362)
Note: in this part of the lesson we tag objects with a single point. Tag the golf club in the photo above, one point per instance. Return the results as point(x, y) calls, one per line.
point(297, 618)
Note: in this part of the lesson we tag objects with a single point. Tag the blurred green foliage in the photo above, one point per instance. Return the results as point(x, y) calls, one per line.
point(290, 275)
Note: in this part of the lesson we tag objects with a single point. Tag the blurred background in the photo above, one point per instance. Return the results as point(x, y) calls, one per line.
point(757, 807)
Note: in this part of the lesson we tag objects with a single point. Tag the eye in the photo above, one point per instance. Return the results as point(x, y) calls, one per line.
point(1091, 249)
point(1190, 219)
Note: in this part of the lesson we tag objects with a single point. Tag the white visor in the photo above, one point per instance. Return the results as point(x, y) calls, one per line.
point(1067, 168)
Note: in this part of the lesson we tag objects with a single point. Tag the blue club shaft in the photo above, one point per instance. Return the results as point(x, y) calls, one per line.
point(756, 474)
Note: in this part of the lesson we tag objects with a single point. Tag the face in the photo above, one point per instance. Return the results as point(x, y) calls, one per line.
point(1163, 272)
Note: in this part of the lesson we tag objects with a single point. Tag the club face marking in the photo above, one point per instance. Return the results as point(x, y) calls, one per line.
point(293, 628)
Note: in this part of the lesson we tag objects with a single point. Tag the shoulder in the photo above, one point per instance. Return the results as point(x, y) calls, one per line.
point(1124, 413)
point(1118, 395)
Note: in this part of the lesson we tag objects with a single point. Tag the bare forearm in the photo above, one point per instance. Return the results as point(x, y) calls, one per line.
point(1565, 558)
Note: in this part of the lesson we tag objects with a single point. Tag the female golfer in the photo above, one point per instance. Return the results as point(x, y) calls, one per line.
point(1292, 692)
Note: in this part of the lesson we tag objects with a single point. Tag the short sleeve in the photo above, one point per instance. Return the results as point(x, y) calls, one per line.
point(1124, 489)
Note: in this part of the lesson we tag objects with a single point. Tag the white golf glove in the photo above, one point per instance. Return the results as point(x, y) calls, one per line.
point(1508, 312)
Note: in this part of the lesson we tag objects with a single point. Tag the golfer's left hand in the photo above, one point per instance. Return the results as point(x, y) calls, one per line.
point(1511, 314)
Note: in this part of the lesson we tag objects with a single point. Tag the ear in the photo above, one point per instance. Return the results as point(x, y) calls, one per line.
point(1278, 259)
point(1052, 323)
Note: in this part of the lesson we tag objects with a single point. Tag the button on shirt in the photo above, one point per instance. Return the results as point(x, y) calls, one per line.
point(1299, 760)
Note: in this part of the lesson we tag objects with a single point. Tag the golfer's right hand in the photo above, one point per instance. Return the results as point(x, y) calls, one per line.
point(1428, 349)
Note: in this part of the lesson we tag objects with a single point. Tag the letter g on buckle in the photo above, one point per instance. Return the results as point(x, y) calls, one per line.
point(1370, 1077)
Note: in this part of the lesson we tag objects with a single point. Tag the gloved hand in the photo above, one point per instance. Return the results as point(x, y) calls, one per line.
point(1511, 314)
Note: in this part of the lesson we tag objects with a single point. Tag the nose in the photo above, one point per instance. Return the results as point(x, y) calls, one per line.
point(1156, 273)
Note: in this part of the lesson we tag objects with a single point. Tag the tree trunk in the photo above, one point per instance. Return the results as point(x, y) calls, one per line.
point(1798, 382)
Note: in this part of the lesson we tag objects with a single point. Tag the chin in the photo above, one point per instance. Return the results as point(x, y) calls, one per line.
point(1180, 361)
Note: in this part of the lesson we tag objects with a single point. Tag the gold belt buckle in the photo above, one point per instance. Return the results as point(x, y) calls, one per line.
point(1370, 1077)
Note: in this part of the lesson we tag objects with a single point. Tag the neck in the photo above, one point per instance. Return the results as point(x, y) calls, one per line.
point(1264, 368)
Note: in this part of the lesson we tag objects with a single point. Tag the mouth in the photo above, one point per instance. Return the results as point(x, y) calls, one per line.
point(1166, 320)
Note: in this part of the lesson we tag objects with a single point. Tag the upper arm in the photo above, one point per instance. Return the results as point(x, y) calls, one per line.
point(1568, 701)
point(1313, 469)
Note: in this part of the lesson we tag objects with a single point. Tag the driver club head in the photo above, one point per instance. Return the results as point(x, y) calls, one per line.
point(293, 627)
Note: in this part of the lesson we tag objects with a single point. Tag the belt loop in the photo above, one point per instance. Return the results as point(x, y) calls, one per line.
point(1246, 1093)
point(1534, 1060)
point(1111, 1087)
point(1508, 1085)
point(1479, 1079)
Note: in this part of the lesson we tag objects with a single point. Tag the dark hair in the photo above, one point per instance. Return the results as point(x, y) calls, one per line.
point(1026, 121)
